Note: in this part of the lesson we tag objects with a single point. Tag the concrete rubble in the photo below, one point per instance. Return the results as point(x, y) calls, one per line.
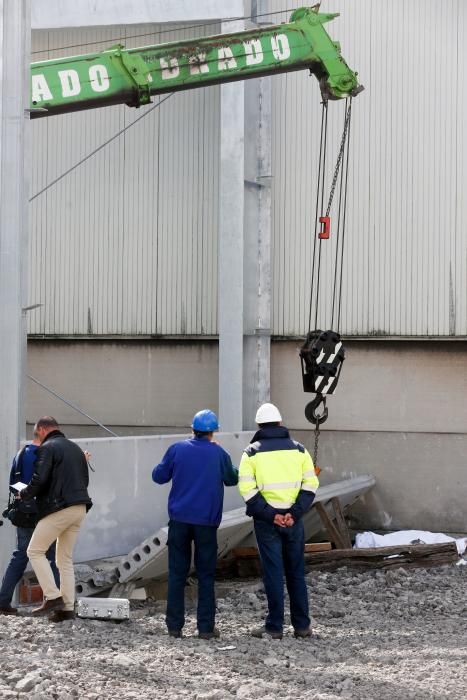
point(396, 634)
point(96, 578)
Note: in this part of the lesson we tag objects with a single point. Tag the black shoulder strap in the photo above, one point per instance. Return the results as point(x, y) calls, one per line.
point(18, 470)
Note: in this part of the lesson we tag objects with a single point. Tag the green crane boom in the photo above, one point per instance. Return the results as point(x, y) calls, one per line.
point(133, 76)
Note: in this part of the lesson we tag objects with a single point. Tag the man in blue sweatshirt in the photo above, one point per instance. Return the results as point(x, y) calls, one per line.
point(198, 468)
point(22, 470)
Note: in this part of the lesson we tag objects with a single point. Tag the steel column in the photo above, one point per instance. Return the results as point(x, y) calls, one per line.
point(231, 207)
point(257, 262)
point(14, 99)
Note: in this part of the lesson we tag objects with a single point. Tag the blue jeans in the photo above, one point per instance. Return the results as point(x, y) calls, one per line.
point(181, 536)
point(18, 564)
point(281, 552)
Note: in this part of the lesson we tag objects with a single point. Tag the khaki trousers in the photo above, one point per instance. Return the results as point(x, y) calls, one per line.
point(62, 526)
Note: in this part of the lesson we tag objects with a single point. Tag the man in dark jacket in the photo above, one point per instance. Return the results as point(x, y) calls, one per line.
point(22, 470)
point(60, 486)
point(278, 483)
point(198, 468)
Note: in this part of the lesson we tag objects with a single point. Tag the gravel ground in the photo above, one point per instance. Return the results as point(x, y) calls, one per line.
point(397, 635)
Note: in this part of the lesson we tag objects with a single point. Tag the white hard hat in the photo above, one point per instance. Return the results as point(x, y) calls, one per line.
point(268, 413)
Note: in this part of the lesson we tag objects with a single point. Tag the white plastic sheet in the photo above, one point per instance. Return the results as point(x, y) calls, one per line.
point(371, 539)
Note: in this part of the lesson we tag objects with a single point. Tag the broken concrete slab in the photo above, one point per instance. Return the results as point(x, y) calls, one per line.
point(148, 561)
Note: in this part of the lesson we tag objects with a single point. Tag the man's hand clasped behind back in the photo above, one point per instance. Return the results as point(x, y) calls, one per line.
point(286, 520)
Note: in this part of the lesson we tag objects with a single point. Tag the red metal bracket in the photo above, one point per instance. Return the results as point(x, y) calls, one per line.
point(326, 231)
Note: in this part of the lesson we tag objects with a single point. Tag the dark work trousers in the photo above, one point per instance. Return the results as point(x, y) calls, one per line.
point(18, 564)
point(281, 552)
point(181, 537)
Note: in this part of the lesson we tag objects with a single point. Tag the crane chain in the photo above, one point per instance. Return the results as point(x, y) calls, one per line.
point(315, 449)
point(339, 158)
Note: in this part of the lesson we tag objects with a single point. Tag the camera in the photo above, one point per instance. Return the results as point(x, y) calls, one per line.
point(7, 513)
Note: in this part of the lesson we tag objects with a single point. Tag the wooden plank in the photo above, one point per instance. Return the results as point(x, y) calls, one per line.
point(248, 567)
point(333, 532)
point(416, 550)
point(252, 552)
point(245, 552)
point(386, 557)
point(318, 547)
point(340, 522)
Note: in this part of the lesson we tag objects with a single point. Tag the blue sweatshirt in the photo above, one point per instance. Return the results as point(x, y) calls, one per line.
point(22, 468)
point(198, 469)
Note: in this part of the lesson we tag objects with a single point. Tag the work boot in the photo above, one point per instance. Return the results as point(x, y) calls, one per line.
point(48, 606)
point(62, 615)
point(8, 610)
point(303, 634)
point(259, 633)
point(215, 634)
point(177, 634)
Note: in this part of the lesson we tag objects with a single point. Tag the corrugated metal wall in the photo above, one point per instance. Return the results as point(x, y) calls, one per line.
point(126, 243)
point(406, 240)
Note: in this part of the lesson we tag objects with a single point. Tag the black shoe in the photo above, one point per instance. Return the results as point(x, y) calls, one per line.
point(215, 634)
point(62, 615)
point(177, 634)
point(48, 606)
point(260, 632)
point(8, 610)
point(303, 634)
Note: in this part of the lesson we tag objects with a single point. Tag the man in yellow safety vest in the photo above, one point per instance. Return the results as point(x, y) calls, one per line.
point(278, 483)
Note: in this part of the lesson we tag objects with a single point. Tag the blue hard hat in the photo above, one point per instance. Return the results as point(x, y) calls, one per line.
point(205, 421)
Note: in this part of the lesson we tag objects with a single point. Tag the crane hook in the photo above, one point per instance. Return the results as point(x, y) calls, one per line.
point(311, 408)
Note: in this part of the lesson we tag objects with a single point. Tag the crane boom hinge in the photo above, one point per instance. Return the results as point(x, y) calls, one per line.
point(136, 69)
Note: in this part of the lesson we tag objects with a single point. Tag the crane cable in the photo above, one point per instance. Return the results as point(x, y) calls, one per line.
point(341, 169)
point(172, 30)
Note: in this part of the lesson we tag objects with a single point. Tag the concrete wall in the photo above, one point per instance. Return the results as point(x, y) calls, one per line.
point(128, 385)
point(399, 413)
point(420, 477)
point(128, 506)
point(389, 386)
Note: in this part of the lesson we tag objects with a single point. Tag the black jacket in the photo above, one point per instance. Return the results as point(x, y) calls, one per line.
point(61, 476)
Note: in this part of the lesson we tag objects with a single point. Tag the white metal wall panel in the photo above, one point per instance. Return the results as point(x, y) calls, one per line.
point(126, 244)
point(406, 240)
point(459, 266)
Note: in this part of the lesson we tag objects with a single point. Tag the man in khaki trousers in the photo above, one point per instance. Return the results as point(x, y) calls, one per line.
point(60, 486)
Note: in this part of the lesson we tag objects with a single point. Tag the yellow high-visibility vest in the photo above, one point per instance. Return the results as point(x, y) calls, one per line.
point(278, 474)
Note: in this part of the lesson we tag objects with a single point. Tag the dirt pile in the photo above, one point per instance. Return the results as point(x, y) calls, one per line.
point(400, 634)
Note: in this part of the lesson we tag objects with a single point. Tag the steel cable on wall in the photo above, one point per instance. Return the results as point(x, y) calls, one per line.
point(99, 148)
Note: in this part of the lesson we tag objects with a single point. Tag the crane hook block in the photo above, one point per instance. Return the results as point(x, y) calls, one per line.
point(321, 355)
point(326, 230)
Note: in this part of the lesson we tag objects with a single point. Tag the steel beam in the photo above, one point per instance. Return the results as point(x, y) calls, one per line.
point(14, 99)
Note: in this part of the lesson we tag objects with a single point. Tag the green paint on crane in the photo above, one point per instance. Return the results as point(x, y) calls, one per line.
point(133, 76)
